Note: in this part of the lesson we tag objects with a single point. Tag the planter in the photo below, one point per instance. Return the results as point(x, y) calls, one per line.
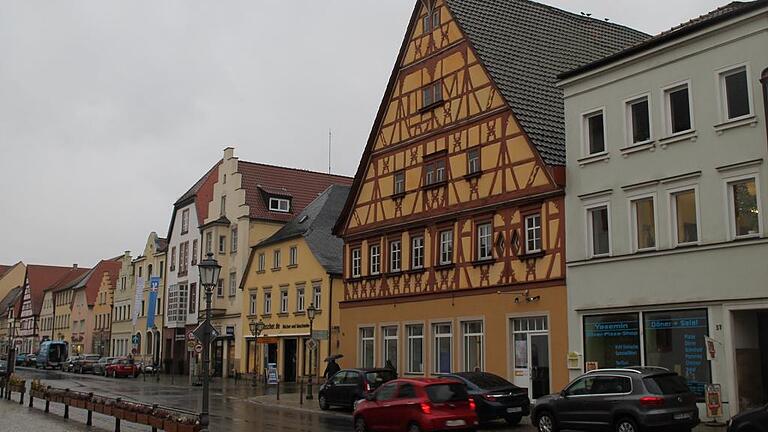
point(142, 419)
point(170, 426)
point(117, 412)
point(156, 422)
point(188, 428)
point(77, 403)
point(129, 416)
point(37, 394)
point(17, 388)
point(90, 406)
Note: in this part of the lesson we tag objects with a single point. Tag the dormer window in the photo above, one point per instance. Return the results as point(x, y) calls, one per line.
point(279, 205)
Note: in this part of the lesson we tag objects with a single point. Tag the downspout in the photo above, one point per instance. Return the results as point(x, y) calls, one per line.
point(330, 314)
point(764, 82)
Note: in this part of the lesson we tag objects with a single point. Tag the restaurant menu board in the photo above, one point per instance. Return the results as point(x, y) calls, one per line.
point(612, 341)
point(676, 340)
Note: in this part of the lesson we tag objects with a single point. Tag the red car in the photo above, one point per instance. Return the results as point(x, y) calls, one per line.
point(123, 367)
point(415, 405)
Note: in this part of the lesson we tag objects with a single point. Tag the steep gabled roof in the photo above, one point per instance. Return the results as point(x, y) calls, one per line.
point(3, 269)
point(42, 278)
point(92, 280)
point(315, 223)
point(200, 193)
point(9, 300)
point(721, 14)
point(302, 186)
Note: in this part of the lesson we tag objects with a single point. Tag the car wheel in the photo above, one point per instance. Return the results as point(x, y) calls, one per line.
point(413, 427)
point(360, 425)
point(546, 423)
point(513, 420)
point(323, 402)
point(626, 425)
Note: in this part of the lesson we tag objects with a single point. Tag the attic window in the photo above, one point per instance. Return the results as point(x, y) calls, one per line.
point(431, 20)
point(279, 205)
point(432, 95)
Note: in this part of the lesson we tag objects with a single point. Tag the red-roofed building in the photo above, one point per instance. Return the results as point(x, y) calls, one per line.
point(249, 203)
point(85, 295)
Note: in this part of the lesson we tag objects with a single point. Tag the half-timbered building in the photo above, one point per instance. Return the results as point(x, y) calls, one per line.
point(453, 230)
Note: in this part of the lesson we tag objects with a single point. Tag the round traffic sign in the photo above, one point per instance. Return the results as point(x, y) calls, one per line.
point(191, 336)
point(199, 348)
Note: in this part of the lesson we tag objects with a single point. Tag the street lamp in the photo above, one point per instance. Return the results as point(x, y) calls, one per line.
point(209, 276)
point(256, 329)
point(311, 312)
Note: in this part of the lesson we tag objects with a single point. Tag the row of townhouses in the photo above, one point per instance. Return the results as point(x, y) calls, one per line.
point(541, 193)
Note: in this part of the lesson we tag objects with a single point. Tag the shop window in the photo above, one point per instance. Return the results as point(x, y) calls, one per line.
point(390, 342)
point(415, 349)
point(442, 347)
point(366, 347)
point(472, 334)
point(611, 341)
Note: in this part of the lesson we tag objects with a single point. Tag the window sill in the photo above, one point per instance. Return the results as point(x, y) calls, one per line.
point(355, 279)
point(431, 106)
point(398, 196)
point(678, 137)
point(473, 175)
point(416, 270)
point(435, 185)
point(371, 277)
point(301, 313)
point(260, 271)
point(293, 266)
point(484, 262)
point(269, 315)
point(532, 255)
point(282, 314)
point(604, 156)
point(275, 269)
point(635, 148)
point(749, 120)
point(442, 267)
point(395, 273)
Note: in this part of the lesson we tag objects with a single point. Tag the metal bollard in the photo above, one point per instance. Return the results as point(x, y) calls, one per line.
point(21, 398)
point(278, 390)
point(89, 419)
point(301, 391)
point(31, 400)
point(154, 407)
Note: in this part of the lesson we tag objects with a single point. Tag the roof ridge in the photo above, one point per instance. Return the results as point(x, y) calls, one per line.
point(585, 17)
point(293, 169)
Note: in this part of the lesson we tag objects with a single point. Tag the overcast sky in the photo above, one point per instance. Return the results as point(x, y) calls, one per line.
point(110, 110)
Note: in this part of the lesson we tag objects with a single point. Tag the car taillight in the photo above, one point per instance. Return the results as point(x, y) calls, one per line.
point(472, 404)
point(426, 408)
point(652, 401)
point(367, 387)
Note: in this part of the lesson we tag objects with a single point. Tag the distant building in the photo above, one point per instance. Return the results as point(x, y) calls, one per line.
point(148, 307)
point(122, 332)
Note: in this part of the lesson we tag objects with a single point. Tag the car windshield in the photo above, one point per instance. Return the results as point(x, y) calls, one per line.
point(486, 380)
point(439, 393)
point(377, 378)
point(92, 357)
point(126, 361)
point(666, 384)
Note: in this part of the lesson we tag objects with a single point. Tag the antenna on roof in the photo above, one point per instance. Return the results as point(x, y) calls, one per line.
point(330, 136)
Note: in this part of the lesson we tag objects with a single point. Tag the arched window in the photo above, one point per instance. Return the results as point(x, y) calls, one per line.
point(150, 345)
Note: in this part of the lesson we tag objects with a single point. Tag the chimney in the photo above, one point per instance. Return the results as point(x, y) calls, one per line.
point(74, 266)
point(229, 153)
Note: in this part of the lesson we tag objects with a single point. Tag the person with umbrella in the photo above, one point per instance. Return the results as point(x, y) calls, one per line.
point(332, 367)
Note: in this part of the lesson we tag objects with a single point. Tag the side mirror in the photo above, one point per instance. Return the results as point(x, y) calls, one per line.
point(370, 397)
point(563, 394)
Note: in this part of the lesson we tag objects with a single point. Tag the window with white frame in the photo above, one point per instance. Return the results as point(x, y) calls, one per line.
point(220, 288)
point(414, 349)
point(639, 120)
point(233, 246)
point(262, 261)
point(356, 262)
point(431, 20)
point(677, 100)
point(208, 242)
point(484, 241)
point(293, 256)
point(279, 205)
point(598, 231)
point(434, 171)
point(432, 94)
point(390, 342)
point(644, 223)
point(395, 255)
point(442, 347)
point(685, 218)
point(232, 284)
point(284, 300)
point(744, 208)
point(252, 304)
point(446, 247)
point(374, 259)
point(594, 132)
point(276, 259)
point(317, 295)
point(222, 244)
point(473, 160)
point(472, 335)
point(417, 252)
point(267, 302)
point(300, 298)
point(366, 347)
point(735, 93)
point(533, 233)
point(399, 183)
point(185, 221)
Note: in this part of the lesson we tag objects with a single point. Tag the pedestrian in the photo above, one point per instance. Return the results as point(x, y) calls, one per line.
point(390, 366)
point(331, 369)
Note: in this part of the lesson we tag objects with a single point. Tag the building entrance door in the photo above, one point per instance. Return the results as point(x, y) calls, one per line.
point(750, 338)
point(530, 355)
point(289, 360)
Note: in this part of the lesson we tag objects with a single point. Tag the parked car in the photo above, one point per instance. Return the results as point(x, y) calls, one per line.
point(496, 398)
point(31, 360)
point(122, 367)
point(414, 405)
point(351, 385)
point(85, 363)
point(69, 364)
point(100, 367)
point(624, 400)
point(755, 420)
point(3, 367)
point(21, 359)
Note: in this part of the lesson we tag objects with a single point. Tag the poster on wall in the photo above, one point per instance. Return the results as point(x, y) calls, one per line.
point(154, 285)
point(138, 299)
point(612, 341)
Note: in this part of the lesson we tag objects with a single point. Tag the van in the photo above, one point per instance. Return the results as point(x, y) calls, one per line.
point(52, 354)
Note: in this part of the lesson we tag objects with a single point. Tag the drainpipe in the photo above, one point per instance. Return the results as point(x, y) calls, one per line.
point(330, 313)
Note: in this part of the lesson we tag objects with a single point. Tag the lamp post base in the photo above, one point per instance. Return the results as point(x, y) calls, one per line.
point(309, 389)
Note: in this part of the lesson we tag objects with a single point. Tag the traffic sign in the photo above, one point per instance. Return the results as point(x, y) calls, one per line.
point(134, 351)
point(199, 348)
point(311, 344)
point(204, 328)
point(191, 345)
point(191, 336)
point(135, 339)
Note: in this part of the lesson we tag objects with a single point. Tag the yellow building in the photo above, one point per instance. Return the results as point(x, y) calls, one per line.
point(62, 297)
point(147, 318)
point(300, 265)
point(11, 277)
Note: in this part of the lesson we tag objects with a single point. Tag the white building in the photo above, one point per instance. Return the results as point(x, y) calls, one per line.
point(667, 175)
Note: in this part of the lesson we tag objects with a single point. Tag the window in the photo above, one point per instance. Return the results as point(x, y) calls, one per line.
point(232, 284)
point(233, 247)
point(644, 221)
point(374, 258)
point(473, 161)
point(283, 301)
point(222, 244)
point(208, 243)
point(223, 206)
point(744, 208)
point(735, 88)
point(183, 258)
point(300, 298)
point(185, 221)
point(192, 297)
point(267, 302)
point(173, 258)
point(442, 347)
point(399, 183)
point(432, 94)
point(262, 262)
point(276, 259)
point(417, 252)
point(533, 233)
point(612, 341)
point(678, 109)
point(395, 256)
point(317, 295)
point(484, 241)
point(415, 349)
point(446, 247)
point(293, 255)
point(472, 332)
point(685, 223)
point(431, 21)
point(639, 120)
point(356, 263)
point(366, 347)
point(390, 345)
point(279, 205)
point(434, 172)
point(598, 231)
point(220, 288)
point(194, 252)
point(594, 132)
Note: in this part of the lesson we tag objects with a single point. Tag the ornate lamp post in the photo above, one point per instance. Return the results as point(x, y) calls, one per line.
point(209, 276)
point(311, 312)
point(256, 329)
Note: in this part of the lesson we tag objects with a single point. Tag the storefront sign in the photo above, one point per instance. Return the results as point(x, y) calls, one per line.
point(320, 334)
point(714, 402)
point(268, 340)
point(711, 348)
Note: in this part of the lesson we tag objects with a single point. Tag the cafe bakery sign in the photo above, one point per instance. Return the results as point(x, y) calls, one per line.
point(285, 326)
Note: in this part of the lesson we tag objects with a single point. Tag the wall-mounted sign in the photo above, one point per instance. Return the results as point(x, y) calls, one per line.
point(711, 348)
point(590, 366)
point(573, 360)
point(714, 402)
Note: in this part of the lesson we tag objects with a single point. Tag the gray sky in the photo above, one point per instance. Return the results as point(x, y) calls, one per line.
point(110, 110)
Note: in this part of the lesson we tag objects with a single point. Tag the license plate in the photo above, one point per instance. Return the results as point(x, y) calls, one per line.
point(514, 409)
point(454, 423)
point(683, 416)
